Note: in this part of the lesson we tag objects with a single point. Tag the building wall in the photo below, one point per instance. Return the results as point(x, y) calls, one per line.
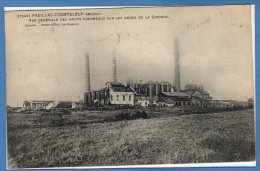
point(73, 105)
point(121, 98)
point(184, 103)
point(100, 97)
point(143, 103)
point(50, 105)
point(26, 105)
point(88, 99)
point(35, 105)
point(196, 102)
point(38, 104)
point(151, 89)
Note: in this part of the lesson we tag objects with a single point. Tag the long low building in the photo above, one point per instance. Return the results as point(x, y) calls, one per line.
point(174, 99)
point(38, 104)
point(50, 104)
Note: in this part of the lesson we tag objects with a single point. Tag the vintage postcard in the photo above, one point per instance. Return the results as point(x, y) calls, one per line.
point(130, 87)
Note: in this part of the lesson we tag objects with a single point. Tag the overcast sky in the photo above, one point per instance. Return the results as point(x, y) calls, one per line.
point(215, 51)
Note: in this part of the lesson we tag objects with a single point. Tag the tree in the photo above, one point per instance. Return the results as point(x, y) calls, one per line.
point(250, 102)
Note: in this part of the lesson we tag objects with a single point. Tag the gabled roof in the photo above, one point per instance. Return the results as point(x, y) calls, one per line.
point(162, 99)
point(197, 98)
point(146, 98)
point(191, 92)
point(122, 89)
point(170, 101)
point(142, 98)
point(113, 83)
point(119, 87)
point(175, 94)
point(188, 92)
point(102, 89)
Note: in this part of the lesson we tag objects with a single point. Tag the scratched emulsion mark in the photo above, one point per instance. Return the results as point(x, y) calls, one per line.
point(189, 26)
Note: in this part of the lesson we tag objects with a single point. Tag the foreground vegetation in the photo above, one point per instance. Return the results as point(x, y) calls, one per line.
point(118, 138)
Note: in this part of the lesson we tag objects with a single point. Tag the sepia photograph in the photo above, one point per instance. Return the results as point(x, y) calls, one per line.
point(129, 86)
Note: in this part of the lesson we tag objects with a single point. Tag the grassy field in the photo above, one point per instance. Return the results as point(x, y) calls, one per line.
point(87, 139)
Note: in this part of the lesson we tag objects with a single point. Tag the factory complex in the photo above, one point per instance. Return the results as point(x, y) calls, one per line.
point(132, 93)
point(151, 93)
point(137, 93)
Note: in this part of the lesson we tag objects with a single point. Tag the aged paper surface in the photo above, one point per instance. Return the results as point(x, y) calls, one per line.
point(129, 86)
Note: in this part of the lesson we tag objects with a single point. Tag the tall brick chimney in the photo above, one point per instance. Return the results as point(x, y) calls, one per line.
point(177, 66)
point(87, 93)
point(87, 84)
point(114, 73)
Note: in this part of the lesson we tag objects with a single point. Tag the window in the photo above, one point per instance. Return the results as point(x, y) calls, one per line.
point(111, 97)
point(117, 96)
point(130, 98)
point(123, 97)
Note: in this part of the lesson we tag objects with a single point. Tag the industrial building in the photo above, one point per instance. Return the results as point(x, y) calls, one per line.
point(112, 94)
point(151, 88)
point(199, 97)
point(144, 94)
point(144, 101)
point(172, 99)
point(38, 104)
point(49, 104)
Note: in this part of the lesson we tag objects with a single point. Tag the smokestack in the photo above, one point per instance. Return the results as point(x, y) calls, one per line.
point(88, 87)
point(156, 88)
point(150, 86)
point(114, 74)
point(177, 66)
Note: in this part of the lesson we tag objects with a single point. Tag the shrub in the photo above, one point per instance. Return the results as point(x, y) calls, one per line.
point(130, 115)
point(212, 109)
